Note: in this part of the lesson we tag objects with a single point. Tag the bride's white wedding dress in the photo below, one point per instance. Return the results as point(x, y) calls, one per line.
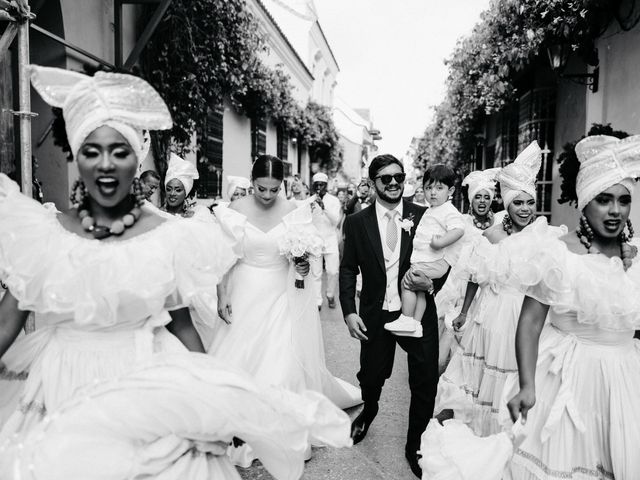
point(275, 333)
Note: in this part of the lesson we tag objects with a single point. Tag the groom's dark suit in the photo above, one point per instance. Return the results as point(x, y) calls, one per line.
point(363, 252)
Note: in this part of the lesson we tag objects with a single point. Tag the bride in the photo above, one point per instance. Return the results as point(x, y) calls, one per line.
point(273, 329)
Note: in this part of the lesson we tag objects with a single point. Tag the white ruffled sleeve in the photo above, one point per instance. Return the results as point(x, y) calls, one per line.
point(491, 264)
point(233, 225)
point(202, 257)
point(25, 241)
point(595, 288)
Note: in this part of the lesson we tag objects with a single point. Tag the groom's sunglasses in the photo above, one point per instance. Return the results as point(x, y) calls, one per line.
point(386, 179)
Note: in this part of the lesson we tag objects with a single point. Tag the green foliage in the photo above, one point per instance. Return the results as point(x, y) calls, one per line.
point(202, 51)
point(482, 68)
point(319, 132)
point(208, 50)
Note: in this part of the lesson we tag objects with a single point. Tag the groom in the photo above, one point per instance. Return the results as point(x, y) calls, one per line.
point(378, 243)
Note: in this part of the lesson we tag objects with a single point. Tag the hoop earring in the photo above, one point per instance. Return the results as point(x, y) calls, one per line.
point(507, 224)
point(585, 232)
point(137, 192)
point(625, 237)
point(78, 193)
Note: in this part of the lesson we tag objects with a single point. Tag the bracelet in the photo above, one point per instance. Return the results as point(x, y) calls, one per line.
point(462, 314)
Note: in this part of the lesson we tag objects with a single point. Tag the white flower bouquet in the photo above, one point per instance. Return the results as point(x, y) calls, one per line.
point(299, 246)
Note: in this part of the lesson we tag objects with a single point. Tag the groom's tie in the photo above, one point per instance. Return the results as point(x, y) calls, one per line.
point(392, 229)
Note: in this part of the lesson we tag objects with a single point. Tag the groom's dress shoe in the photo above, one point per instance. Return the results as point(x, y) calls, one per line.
point(359, 428)
point(413, 464)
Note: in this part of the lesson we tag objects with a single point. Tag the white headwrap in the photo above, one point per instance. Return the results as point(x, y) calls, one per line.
point(236, 182)
point(182, 170)
point(606, 161)
point(520, 176)
point(479, 180)
point(320, 177)
point(123, 102)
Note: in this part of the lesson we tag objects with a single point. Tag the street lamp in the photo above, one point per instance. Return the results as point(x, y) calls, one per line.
point(558, 58)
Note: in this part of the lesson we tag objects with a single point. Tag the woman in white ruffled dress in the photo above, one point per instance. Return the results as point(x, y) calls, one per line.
point(580, 376)
point(178, 182)
point(106, 386)
point(578, 383)
point(472, 384)
point(481, 185)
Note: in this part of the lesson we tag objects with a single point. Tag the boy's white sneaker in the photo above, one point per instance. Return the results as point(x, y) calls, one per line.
point(417, 333)
point(404, 324)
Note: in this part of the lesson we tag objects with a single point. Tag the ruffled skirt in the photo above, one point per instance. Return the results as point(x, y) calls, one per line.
point(584, 424)
point(173, 418)
point(473, 382)
point(44, 369)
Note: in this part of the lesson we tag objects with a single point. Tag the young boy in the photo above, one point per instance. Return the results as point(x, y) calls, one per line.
point(437, 234)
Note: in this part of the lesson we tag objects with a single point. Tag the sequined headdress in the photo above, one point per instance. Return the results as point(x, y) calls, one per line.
point(606, 161)
point(182, 170)
point(479, 180)
point(520, 176)
point(124, 102)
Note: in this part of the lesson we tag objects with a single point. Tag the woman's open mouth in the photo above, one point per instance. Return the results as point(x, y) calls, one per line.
point(107, 186)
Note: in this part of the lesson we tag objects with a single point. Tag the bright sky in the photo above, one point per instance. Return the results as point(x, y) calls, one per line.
point(391, 56)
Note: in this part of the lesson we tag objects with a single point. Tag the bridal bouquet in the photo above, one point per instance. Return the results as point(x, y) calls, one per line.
point(299, 246)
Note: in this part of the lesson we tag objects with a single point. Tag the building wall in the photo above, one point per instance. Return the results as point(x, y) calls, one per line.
point(352, 158)
point(570, 126)
point(615, 102)
point(323, 66)
point(619, 73)
point(236, 147)
point(280, 53)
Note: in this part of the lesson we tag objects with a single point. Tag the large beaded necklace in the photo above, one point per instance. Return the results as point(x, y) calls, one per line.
point(118, 227)
point(627, 251)
point(482, 224)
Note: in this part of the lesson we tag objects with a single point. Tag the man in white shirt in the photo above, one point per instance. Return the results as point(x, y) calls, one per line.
point(327, 212)
point(378, 243)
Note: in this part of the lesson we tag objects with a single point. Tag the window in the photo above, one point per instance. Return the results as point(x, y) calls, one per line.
point(210, 164)
point(506, 148)
point(537, 122)
point(283, 149)
point(258, 137)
